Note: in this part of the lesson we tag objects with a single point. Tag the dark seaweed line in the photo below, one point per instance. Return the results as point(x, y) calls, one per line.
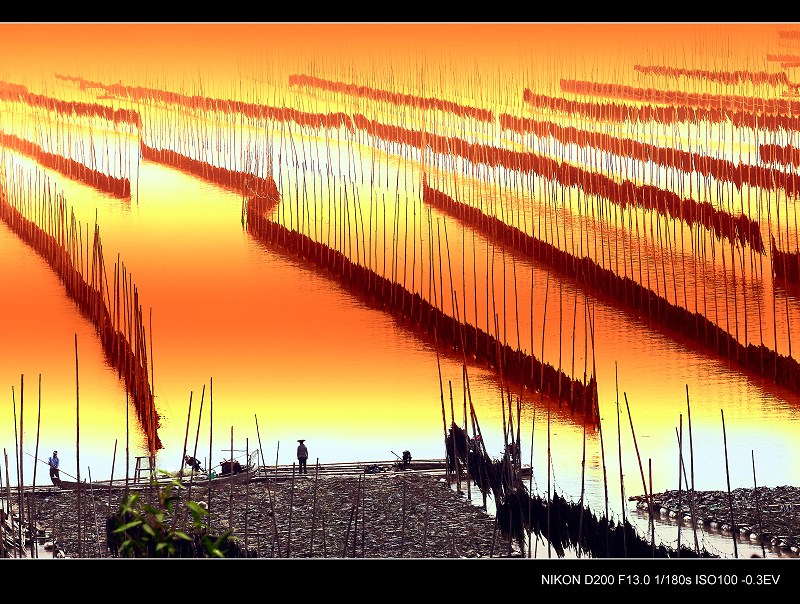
point(396, 299)
point(119, 187)
point(130, 359)
point(758, 359)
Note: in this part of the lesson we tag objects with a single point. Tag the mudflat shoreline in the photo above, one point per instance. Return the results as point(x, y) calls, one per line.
point(763, 516)
point(393, 515)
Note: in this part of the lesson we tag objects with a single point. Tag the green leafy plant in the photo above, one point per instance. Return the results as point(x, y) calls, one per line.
point(142, 530)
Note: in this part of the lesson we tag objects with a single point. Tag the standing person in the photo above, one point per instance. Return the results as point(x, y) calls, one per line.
point(53, 463)
point(302, 456)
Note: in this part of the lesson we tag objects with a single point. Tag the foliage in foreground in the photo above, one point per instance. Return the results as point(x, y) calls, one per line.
point(142, 530)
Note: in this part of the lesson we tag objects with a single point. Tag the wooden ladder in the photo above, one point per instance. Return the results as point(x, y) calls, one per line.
point(141, 468)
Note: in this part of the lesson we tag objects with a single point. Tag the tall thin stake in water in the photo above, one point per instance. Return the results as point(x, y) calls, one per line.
point(734, 531)
point(78, 450)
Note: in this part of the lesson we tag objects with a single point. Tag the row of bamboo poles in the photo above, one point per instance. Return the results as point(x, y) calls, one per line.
point(118, 187)
point(686, 161)
point(148, 95)
point(65, 138)
point(76, 256)
point(746, 230)
point(19, 93)
point(727, 77)
point(392, 296)
point(786, 61)
point(739, 227)
point(632, 295)
point(779, 154)
point(562, 523)
point(262, 197)
point(309, 246)
point(695, 262)
point(621, 193)
point(393, 98)
point(753, 105)
point(748, 354)
point(786, 264)
point(622, 112)
point(725, 345)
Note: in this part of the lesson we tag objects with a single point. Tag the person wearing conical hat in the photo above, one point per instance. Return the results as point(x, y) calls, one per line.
point(302, 456)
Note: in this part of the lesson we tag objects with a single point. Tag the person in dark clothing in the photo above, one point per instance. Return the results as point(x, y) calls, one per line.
point(193, 463)
point(302, 456)
point(53, 462)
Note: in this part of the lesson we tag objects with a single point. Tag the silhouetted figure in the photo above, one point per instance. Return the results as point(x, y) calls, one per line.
point(302, 456)
point(54, 462)
point(406, 458)
point(193, 463)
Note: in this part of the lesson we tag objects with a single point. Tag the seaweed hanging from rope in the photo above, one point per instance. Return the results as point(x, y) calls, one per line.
point(571, 525)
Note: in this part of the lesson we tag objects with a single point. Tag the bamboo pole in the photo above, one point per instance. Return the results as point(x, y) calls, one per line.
point(653, 523)
point(230, 485)
point(185, 440)
point(453, 439)
point(246, 499)
point(444, 418)
point(647, 495)
point(8, 499)
point(18, 455)
point(691, 467)
point(111, 480)
point(314, 511)
point(680, 484)
point(621, 481)
point(196, 439)
point(730, 495)
point(466, 432)
point(403, 521)
point(758, 507)
point(78, 450)
point(94, 512)
point(271, 499)
point(33, 516)
point(5, 512)
point(210, 437)
point(291, 506)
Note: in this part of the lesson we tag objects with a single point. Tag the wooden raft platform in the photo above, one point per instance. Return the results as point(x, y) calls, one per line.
point(281, 472)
